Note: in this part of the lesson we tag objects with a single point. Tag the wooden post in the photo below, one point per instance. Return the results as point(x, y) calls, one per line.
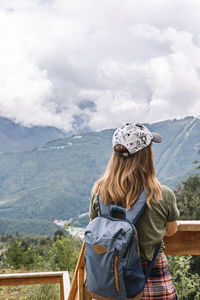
point(64, 286)
point(80, 283)
point(62, 295)
point(80, 264)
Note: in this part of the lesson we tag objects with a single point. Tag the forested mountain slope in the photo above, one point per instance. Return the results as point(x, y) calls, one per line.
point(54, 181)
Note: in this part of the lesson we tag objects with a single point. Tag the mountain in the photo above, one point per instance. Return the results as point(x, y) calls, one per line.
point(10, 226)
point(15, 137)
point(54, 181)
point(174, 157)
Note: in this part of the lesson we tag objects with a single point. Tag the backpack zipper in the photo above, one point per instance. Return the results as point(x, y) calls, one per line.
point(116, 273)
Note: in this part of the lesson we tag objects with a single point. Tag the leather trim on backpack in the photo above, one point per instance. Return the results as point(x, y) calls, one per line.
point(99, 249)
point(116, 274)
point(97, 297)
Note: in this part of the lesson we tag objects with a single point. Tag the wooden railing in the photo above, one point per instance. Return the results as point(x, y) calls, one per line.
point(185, 242)
point(39, 278)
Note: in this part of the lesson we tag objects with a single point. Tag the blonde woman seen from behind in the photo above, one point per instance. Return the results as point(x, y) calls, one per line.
point(129, 171)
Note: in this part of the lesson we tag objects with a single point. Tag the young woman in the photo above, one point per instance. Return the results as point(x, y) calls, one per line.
point(130, 170)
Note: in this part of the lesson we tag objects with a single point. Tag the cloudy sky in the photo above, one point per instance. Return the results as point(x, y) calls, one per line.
point(78, 64)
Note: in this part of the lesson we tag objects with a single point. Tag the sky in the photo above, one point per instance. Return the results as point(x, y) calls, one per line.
point(95, 64)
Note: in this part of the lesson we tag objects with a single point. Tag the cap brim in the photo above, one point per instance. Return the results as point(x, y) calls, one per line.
point(156, 137)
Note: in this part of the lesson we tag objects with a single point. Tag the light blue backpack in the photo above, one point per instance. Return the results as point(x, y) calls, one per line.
point(113, 265)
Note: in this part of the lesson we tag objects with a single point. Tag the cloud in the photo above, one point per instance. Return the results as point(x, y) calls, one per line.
point(95, 64)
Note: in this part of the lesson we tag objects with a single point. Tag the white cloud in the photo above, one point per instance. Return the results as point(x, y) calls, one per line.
point(135, 60)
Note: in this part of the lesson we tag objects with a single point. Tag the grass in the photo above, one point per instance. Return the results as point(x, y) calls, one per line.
point(30, 292)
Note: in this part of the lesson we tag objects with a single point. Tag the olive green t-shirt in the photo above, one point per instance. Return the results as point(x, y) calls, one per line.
point(151, 226)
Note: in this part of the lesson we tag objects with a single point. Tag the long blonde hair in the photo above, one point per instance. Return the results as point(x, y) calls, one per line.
point(125, 177)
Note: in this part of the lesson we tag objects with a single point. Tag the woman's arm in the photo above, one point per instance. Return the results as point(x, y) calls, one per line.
point(171, 228)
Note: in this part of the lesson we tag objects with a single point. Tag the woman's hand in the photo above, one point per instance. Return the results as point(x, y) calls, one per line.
point(171, 228)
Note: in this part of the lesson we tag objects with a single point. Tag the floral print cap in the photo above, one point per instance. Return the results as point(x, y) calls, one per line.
point(134, 137)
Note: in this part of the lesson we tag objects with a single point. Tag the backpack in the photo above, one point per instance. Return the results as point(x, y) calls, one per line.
point(112, 258)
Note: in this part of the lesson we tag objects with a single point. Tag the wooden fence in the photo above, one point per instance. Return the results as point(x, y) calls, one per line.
point(39, 278)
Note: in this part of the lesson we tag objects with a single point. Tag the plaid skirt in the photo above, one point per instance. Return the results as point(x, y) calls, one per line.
point(159, 284)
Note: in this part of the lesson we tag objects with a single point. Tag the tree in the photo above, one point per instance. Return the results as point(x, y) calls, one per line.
point(14, 254)
point(59, 233)
point(188, 198)
point(64, 253)
point(186, 283)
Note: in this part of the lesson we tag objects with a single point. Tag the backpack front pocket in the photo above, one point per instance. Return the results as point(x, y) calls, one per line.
point(134, 279)
point(103, 273)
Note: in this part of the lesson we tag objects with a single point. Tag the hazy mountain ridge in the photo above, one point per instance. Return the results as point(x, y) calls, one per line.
point(15, 137)
point(181, 142)
point(54, 181)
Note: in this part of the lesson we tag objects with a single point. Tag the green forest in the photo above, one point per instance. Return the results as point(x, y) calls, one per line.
point(31, 253)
